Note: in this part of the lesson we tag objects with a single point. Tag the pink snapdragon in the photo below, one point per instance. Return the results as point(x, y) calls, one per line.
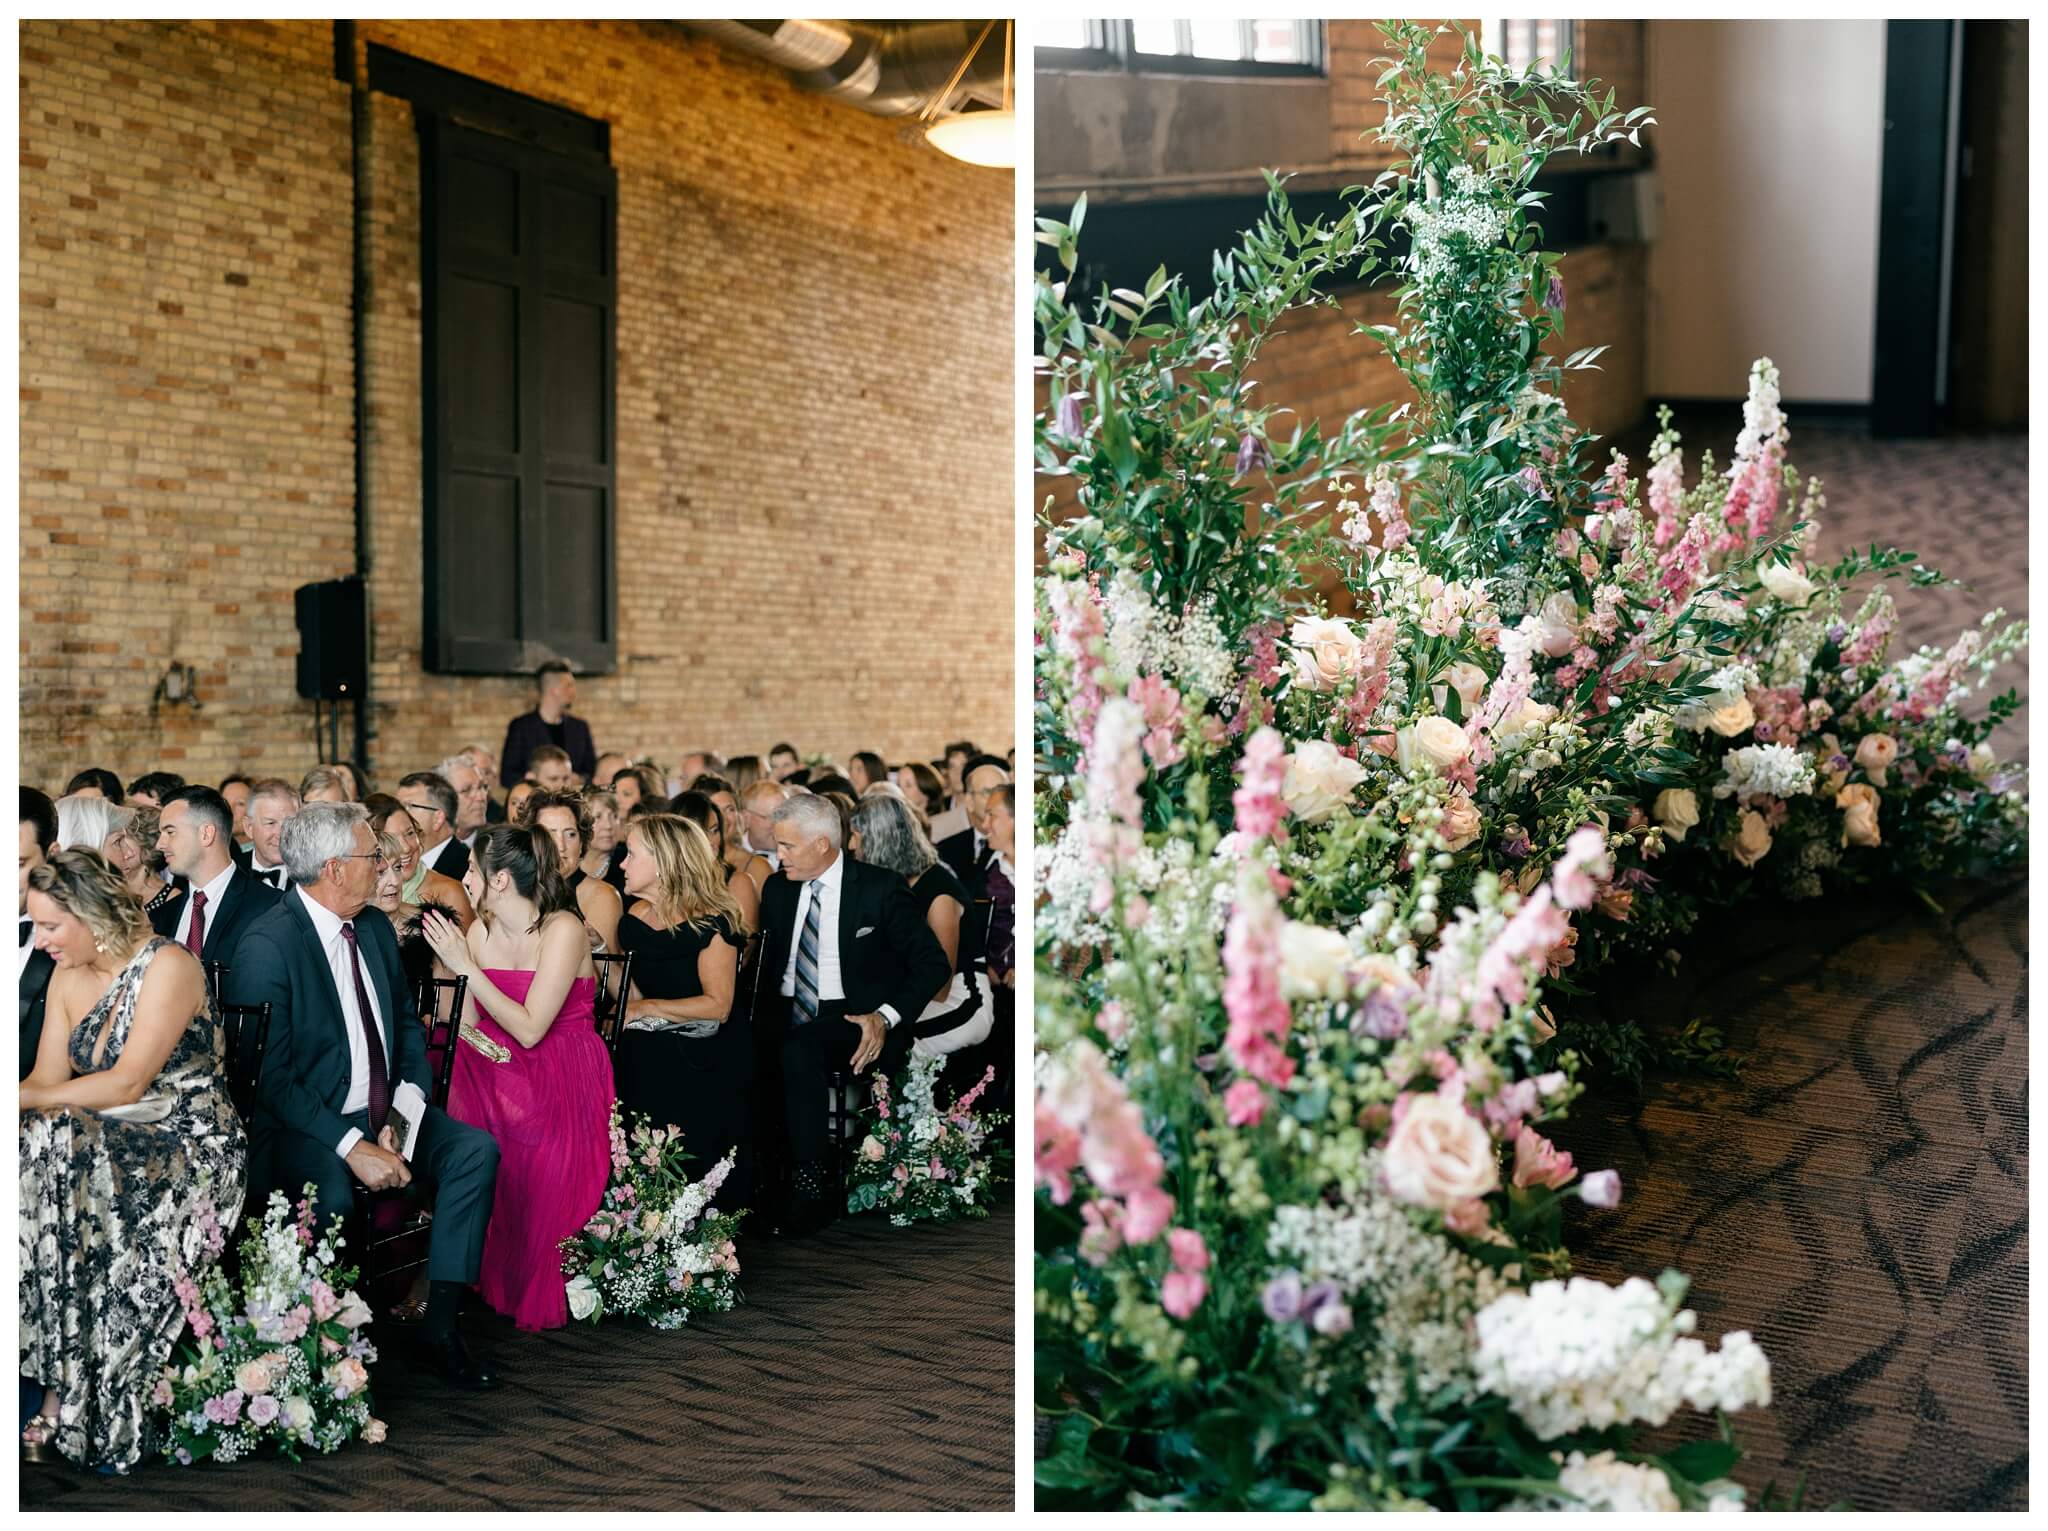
point(1752, 500)
point(1259, 1015)
point(1244, 1103)
point(1187, 1251)
point(1874, 633)
point(1666, 493)
point(1084, 1118)
point(1147, 1212)
point(1682, 565)
point(1182, 1292)
point(1582, 869)
point(1257, 802)
point(1078, 628)
point(1386, 504)
point(1159, 703)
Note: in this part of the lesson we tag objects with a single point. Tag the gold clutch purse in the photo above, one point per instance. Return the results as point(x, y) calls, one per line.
point(495, 1051)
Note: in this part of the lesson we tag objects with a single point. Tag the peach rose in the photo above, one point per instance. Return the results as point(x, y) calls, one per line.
point(1440, 1155)
point(373, 1431)
point(1557, 625)
point(1677, 810)
point(1859, 805)
point(1875, 755)
point(1435, 740)
point(1319, 780)
point(1737, 717)
point(1468, 680)
point(1326, 651)
point(1752, 838)
point(1460, 823)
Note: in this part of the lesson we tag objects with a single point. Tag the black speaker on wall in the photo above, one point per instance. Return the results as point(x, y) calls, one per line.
point(333, 657)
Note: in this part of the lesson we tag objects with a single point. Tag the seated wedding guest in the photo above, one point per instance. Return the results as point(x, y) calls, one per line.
point(732, 843)
point(566, 821)
point(128, 1134)
point(846, 960)
point(132, 849)
point(702, 810)
point(967, 852)
point(418, 883)
point(548, 769)
point(784, 762)
point(194, 832)
point(757, 823)
point(638, 784)
point(388, 898)
point(694, 765)
point(430, 799)
point(89, 822)
point(921, 785)
point(686, 1056)
point(543, 1090)
point(472, 800)
point(605, 856)
point(351, 781)
point(1002, 885)
point(33, 965)
point(95, 779)
point(323, 784)
point(609, 764)
point(85, 820)
point(886, 834)
point(346, 1048)
point(147, 790)
point(550, 723)
point(271, 802)
point(486, 765)
point(864, 770)
point(235, 792)
point(743, 771)
point(516, 799)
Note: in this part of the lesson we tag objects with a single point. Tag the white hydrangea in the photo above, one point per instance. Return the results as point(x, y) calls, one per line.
point(1583, 1355)
point(1765, 770)
point(1416, 1294)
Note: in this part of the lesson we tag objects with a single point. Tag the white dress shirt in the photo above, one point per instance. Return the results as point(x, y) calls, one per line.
point(360, 1039)
point(433, 857)
point(826, 886)
point(272, 875)
point(26, 928)
point(213, 892)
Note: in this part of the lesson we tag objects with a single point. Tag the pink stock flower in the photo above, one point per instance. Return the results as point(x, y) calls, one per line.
point(1101, 1231)
point(1187, 1251)
point(1538, 1161)
point(1258, 1011)
point(1147, 1211)
point(1057, 1154)
point(1681, 566)
point(1244, 1103)
point(1583, 867)
point(1257, 802)
point(1182, 1292)
point(1159, 703)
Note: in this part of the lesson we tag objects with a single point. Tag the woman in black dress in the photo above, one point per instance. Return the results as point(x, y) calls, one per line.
point(886, 833)
point(703, 810)
point(686, 1055)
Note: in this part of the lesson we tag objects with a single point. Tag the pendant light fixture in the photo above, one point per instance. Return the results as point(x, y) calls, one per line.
point(979, 138)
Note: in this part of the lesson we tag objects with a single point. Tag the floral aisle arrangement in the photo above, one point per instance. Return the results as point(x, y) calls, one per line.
point(1306, 875)
point(657, 1247)
point(925, 1163)
point(277, 1356)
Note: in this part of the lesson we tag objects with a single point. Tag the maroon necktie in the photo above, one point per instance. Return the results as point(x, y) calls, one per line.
point(380, 1082)
point(195, 938)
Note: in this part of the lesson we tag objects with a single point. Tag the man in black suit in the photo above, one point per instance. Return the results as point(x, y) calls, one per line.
point(967, 853)
point(430, 799)
point(846, 960)
point(195, 832)
point(33, 967)
point(548, 723)
point(346, 1046)
point(271, 803)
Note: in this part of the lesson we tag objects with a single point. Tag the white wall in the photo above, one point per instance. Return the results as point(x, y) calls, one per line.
point(1769, 148)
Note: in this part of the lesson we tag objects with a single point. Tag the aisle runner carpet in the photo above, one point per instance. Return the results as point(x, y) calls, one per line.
point(1858, 1200)
point(870, 1369)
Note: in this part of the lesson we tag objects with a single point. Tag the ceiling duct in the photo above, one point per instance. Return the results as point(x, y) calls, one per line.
point(889, 68)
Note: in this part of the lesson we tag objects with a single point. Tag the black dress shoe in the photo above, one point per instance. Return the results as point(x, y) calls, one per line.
point(449, 1359)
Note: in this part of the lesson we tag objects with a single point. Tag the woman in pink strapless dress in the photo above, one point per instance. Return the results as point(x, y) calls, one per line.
point(531, 1069)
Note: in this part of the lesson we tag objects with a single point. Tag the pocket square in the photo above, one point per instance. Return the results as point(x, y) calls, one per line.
point(865, 930)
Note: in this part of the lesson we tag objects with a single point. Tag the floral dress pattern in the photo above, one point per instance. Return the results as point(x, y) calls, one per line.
point(110, 1212)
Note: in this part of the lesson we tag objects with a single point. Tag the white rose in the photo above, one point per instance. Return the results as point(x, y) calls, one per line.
point(1319, 780)
point(1677, 809)
point(1531, 714)
point(1735, 718)
point(353, 1313)
point(1752, 839)
point(1468, 680)
point(1325, 651)
point(1435, 740)
point(1557, 625)
point(1439, 1155)
point(298, 1412)
point(1314, 962)
point(1982, 760)
point(582, 1298)
point(1788, 582)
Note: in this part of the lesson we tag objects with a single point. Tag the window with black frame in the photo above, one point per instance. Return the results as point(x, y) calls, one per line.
point(1220, 46)
point(1524, 45)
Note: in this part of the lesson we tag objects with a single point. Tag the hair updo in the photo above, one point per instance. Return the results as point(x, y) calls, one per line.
point(528, 853)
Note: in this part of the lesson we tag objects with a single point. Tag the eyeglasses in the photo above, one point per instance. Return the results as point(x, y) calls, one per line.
point(378, 859)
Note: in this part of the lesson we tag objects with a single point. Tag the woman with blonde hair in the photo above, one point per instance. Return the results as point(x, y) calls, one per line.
point(92, 823)
point(704, 809)
point(419, 884)
point(131, 1154)
point(686, 1057)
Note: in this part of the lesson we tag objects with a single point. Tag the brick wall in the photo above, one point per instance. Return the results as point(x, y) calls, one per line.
point(814, 416)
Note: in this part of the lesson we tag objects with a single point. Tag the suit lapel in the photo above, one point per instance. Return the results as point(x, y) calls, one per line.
point(324, 970)
point(849, 922)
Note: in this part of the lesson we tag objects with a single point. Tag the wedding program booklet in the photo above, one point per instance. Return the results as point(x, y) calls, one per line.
point(406, 1116)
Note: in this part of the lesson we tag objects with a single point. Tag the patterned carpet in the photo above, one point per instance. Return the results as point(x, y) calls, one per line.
point(870, 1369)
point(1858, 1199)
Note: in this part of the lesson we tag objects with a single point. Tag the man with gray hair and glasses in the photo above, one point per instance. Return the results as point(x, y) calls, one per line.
point(846, 960)
point(347, 1066)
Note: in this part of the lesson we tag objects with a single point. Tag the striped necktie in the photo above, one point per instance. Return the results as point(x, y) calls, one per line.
point(807, 960)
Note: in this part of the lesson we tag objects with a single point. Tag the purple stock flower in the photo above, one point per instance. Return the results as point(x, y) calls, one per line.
point(1381, 1016)
point(1319, 1294)
point(1515, 842)
point(1282, 1297)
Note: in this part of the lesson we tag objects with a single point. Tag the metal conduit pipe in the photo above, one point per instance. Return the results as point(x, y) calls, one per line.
point(889, 69)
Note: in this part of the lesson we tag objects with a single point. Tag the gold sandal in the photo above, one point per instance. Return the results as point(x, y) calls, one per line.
point(411, 1311)
point(44, 1447)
